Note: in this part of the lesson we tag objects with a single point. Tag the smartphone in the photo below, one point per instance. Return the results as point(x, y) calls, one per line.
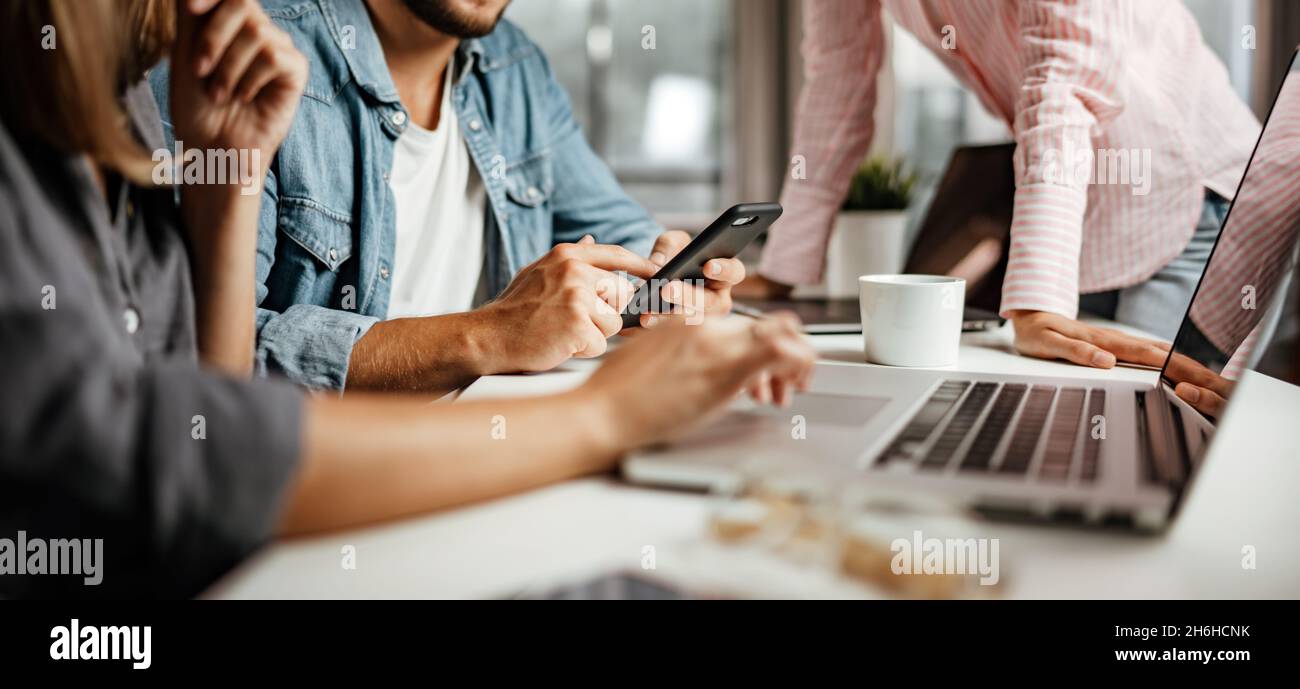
point(724, 238)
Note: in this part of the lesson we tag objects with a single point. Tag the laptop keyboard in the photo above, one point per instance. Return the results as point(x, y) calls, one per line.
point(980, 454)
point(946, 447)
point(997, 427)
point(1060, 444)
point(1021, 450)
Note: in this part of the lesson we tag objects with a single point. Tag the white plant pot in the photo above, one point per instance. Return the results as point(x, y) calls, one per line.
point(863, 243)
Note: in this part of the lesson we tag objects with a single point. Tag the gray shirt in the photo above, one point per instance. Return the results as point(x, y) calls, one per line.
point(108, 427)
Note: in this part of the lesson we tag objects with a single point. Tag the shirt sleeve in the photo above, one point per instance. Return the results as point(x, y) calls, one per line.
point(308, 344)
point(587, 198)
point(843, 47)
point(1071, 86)
point(180, 472)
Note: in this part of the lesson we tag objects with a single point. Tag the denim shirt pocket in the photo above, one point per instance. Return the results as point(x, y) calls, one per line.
point(323, 235)
point(529, 184)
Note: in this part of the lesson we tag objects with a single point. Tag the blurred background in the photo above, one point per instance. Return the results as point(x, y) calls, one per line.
point(691, 102)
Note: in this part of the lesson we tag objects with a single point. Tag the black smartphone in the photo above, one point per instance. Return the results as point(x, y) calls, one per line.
point(723, 238)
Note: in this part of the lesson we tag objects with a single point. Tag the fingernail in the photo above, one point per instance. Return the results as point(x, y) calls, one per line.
point(714, 268)
point(1103, 359)
point(1190, 393)
point(658, 258)
point(649, 321)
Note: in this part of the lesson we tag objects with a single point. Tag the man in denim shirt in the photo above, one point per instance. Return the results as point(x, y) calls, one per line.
point(433, 158)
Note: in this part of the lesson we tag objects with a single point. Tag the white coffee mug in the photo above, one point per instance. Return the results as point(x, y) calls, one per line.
point(911, 320)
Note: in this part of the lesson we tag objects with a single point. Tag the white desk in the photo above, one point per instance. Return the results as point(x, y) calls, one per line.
point(1245, 495)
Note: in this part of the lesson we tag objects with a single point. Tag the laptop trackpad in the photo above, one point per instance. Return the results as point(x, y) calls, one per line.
point(812, 421)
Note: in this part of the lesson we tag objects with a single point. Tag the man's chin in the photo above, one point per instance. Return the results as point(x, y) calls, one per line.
point(459, 18)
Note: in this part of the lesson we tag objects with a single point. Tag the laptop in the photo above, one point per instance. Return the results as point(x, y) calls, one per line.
point(1083, 450)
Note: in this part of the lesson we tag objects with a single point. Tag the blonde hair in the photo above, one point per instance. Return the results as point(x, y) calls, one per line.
point(64, 65)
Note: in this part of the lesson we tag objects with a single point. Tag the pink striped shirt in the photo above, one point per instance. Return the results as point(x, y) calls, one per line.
point(1118, 82)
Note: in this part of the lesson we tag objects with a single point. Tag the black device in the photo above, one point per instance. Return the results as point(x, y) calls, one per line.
point(723, 238)
point(613, 586)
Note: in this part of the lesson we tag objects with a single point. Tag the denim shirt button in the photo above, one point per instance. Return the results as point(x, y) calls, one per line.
point(399, 118)
point(475, 125)
point(334, 255)
point(131, 319)
point(383, 272)
point(532, 192)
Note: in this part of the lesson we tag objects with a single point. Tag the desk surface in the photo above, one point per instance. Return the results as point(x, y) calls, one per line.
point(1245, 496)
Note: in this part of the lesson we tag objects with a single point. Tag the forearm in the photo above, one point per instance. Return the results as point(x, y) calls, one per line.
point(223, 243)
point(375, 458)
point(1071, 86)
point(833, 132)
point(434, 354)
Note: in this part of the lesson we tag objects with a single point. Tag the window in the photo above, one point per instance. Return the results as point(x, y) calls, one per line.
point(649, 84)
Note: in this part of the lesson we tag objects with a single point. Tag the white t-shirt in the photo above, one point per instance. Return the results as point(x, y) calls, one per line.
point(440, 206)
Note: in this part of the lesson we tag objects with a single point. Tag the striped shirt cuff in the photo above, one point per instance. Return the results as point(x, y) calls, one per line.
point(1043, 261)
point(795, 253)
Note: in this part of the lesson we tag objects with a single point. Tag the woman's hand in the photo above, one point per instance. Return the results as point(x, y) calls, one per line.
point(235, 84)
point(1052, 336)
point(367, 458)
point(236, 78)
point(1207, 391)
point(675, 376)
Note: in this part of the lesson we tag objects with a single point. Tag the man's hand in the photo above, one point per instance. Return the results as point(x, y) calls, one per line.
point(758, 287)
point(1052, 336)
point(563, 305)
point(713, 297)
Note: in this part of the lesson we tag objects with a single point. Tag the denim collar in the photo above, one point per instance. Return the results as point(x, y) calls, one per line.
point(366, 60)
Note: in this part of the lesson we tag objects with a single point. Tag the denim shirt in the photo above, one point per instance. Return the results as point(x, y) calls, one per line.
point(327, 230)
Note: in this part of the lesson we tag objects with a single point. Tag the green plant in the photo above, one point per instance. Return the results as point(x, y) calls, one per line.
point(880, 184)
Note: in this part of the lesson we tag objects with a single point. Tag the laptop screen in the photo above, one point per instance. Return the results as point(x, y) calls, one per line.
point(1234, 312)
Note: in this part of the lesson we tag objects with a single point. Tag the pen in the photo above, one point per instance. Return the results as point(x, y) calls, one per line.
point(747, 311)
